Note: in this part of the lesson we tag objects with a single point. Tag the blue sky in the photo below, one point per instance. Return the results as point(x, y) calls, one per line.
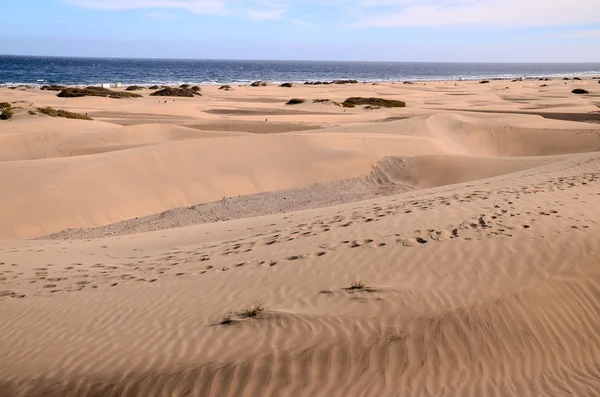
point(378, 30)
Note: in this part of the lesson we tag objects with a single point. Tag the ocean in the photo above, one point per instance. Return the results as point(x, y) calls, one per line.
point(30, 70)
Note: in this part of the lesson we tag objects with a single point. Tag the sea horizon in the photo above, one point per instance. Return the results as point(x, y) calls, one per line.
point(38, 70)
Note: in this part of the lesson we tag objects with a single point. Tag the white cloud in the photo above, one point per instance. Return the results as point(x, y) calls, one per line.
point(304, 24)
point(490, 13)
point(253, 9)
point(197, 6)
point(581, 34)
point(161, 15)
point(387, 13)
point(265, 14)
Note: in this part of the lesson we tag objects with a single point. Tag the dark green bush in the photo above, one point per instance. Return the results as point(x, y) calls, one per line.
point(579, 91)
point(95, 91)
point(6, 114)
point(176, 92)
point(386, 103)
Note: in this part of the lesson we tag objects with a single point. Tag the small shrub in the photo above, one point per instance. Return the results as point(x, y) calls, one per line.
point(295, 101)
point(154, 87)
point(196, 88)
point(344, 82)
point(5, 105)
point(286, 85)
point(357, 285)
point(579, 91)
point(184, 86)
point(484, 82)
point(6, 114)
point(576, 78)
point(225, 87)
point(227, 319)
point(259, 84)
point(134, 88)
point(252, 311)
point(328, 101)
point(48, 111)
point(53, 87)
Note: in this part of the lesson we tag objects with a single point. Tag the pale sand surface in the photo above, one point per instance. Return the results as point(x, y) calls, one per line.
point(474, 229)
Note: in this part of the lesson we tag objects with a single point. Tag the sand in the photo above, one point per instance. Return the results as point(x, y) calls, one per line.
point(449, 248)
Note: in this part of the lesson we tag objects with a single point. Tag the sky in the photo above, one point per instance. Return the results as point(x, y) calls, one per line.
point(341, 30)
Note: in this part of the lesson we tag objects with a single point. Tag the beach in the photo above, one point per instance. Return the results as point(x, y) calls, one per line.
point(231, 244)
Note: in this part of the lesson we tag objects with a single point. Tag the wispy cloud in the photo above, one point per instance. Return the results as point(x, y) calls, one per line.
point(214, 7)
point(161, 15)
point(580, 34)
point(305, 24)
point(253, 9)
point(489, 13)
point(385, 13)
point(264, 14)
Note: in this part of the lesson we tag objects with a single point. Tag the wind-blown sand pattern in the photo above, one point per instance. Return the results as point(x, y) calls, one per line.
point(394, 252)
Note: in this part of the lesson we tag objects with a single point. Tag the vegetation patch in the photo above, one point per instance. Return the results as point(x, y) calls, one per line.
point(5, 105)
point(344, 82)
point(48, 111)
point(195, 88)
point(154, 87)
point(295, 101)
point(327, 101)
point(484, 82)
point(6, 114)
point(332, 82)
point(250, 312)
point(176, 92)
point(225, 87)
point(385, 103)
point(96, 91)
point(227, 319)
point(53, 87)
point(286, 85)
point(184, 86)
point(359, 286)
point(259, 84)
point(134, 88)
point(579, 91)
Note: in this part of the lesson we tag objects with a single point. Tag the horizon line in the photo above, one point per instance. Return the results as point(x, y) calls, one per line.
point(290, 60)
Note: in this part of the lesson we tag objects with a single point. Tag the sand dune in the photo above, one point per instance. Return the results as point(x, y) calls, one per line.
point(449, 253)
point(157, 173)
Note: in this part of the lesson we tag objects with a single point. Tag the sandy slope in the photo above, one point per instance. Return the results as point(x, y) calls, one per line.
point(479, 273)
